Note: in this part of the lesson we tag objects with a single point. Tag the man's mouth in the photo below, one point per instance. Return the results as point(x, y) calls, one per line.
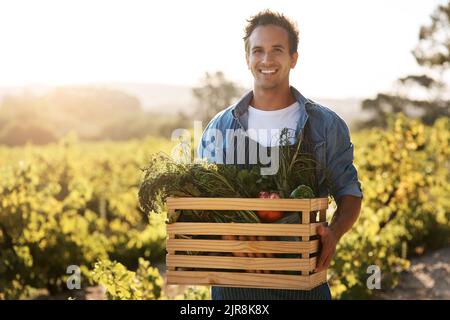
point(268, 71)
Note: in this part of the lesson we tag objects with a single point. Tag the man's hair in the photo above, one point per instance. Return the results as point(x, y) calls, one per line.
point(268, 17)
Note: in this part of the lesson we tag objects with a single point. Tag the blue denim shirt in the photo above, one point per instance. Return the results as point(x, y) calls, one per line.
point(330, 137)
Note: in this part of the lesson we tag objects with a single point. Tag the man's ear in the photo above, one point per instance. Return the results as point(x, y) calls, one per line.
point(247, 59)
point(294, 58)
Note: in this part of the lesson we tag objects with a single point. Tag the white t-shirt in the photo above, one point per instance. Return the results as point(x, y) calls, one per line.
point(265, 126)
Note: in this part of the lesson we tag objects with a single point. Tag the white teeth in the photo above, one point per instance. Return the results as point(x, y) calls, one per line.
point(268, 71)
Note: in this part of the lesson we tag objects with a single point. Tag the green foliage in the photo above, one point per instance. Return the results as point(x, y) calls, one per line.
point(72, 204)
point(143, 284)
point(196, 293)
point(76, 203)
point(165, 177)
point(122, 284)
point(405, 178)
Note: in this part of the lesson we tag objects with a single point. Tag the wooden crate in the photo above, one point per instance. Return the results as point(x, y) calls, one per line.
point(234, 271)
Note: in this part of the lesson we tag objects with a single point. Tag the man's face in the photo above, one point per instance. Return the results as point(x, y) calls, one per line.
point(268, 57)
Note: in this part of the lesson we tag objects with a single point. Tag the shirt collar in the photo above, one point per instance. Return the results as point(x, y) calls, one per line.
point(240, 110)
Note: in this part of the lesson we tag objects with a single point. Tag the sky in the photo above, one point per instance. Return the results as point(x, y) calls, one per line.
point(347, 48)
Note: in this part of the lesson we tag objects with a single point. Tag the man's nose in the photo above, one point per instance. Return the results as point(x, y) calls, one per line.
point(267, 57)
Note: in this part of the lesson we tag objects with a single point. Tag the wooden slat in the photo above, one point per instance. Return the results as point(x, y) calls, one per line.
point(313, 227)
point(245, 279)
point(247, 204)
point(170, 237)
point(318, 278)
point(242, 246)
point(306, 255)
point(217, 262)
point(319, 204)
point(244, 229)
point(306, 217)
point(234, 279)
point(323, 215)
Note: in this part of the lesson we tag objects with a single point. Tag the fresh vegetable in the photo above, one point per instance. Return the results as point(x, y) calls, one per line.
point(302, 192)
point(165, 177)
point(269, 216)
point(296, 165)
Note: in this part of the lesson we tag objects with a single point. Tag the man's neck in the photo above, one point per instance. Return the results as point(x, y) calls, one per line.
point(272, 99)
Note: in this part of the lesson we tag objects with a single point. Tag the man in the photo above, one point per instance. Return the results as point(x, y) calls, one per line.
point(271, 42)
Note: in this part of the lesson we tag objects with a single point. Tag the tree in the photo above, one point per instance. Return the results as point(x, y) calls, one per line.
point(83, 109)
point(22, 132)
point(433, 49)
point(215, 94)
point(424, 96)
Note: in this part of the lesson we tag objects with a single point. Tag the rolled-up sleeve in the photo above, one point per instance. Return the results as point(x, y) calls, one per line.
point(341, 172)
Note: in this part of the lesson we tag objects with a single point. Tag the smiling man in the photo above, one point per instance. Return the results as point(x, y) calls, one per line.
point(271, 42)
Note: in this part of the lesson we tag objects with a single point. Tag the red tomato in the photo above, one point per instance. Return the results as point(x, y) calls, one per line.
point(269, 216)
point(264, 194)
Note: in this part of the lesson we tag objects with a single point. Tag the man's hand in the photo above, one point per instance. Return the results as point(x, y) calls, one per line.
point(328, 241)
point(346, 214)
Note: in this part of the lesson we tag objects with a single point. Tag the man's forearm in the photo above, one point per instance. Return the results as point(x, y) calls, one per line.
point(346, 214)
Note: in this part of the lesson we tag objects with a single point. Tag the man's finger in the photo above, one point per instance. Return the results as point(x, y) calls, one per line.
point(323, 257)
point(322, 230)
point(327, 262)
